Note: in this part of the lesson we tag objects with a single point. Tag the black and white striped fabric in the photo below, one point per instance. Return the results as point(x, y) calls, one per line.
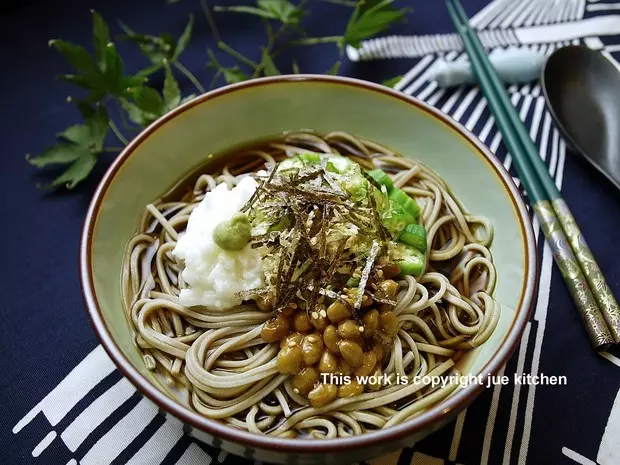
point(91, 415)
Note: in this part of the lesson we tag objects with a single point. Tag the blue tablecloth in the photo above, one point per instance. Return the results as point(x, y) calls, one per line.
point(62, 400)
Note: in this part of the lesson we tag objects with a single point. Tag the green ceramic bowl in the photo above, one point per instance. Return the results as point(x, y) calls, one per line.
point(174, 145)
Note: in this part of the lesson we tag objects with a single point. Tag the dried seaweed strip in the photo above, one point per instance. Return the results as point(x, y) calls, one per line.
point(256, 195)
point(360, 223)
point(279, 276)
point(335, 261)
point(317, 224)
point(306, 268)
point(330, 180)
point(308, 177)
point(300, 223)
point(329, 293)
point(316, 197)
point(280, 303)
point(320, 268)
point(374, 250)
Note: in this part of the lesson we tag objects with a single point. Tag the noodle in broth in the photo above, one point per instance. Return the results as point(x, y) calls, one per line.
point(229, 371)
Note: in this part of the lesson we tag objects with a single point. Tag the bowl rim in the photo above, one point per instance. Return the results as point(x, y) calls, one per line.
point(223, 432)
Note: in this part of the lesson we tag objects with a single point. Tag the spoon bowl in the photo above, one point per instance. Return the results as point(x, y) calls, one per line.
point(582, 89)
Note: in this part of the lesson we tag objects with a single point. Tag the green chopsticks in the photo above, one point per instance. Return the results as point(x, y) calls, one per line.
point(596, 304)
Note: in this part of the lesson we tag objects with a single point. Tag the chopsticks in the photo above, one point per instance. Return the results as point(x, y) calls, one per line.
point(585, 281)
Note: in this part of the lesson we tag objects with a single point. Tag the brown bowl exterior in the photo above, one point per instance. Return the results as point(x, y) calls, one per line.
point(299, 451)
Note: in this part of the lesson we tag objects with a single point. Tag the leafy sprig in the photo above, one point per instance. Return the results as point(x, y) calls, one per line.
point(369, 19)
point(280, 10)
point(78, 146)
point(101, 75)
point(163, 49)
point(106, 87)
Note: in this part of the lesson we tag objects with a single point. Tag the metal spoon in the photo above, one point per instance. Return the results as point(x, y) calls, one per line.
point(582, 89)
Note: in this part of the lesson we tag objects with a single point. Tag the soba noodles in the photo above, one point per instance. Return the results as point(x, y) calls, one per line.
point(231, 374)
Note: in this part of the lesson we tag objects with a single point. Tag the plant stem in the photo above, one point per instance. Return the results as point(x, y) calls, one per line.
point(218, 38)
point(271, 41)
point(268, 30)
point(307, 41)
point(273, 38)
point(117, 132)
point(215, 78)
point(235, 54)
point(348, 3)
point(296, 69)
point(121, 112)
point(210, 20)
point(316, 40)
point(188, 74)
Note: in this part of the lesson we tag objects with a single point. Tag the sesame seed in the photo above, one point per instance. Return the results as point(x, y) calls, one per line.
point(315, 315)
point(361, 328)
point(296, 391)
point(323, 313)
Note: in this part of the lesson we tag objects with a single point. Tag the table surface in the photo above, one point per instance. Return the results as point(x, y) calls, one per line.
point(63, 401)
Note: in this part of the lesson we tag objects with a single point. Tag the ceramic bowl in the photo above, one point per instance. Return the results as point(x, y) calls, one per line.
point(211, 123)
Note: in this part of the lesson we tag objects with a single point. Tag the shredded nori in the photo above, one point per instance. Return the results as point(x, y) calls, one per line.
point(309, 263)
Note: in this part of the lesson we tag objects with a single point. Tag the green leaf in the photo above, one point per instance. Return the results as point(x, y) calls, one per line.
point(136, 115)
point(282, 10)
point(148, 100)
point(162, 47)
point(392, 81)
point(101, 36)
point(246, 9)
point(76, 79)
point(233, 75)
point(144, 106)
point(171, 92)
point(366, 5)
point(168, 43)
point(60, 153)
point(187, 99)
point(85, 108)
point(79, 134)
point(127, 30)
point(129, 82)
point(368, 22)
point(349, 3)
point(99, 125)
point(150, 69)
point(155, 48)
point(296, 67)
point(334, 69)
point(95, 95)
point(112, 67)
point(184, 39)
point(77, 172)
point(92, 133)
point(269, 67)
point(79, 58)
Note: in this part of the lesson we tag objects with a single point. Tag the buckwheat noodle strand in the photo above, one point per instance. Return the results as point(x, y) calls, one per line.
point(230, 372)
